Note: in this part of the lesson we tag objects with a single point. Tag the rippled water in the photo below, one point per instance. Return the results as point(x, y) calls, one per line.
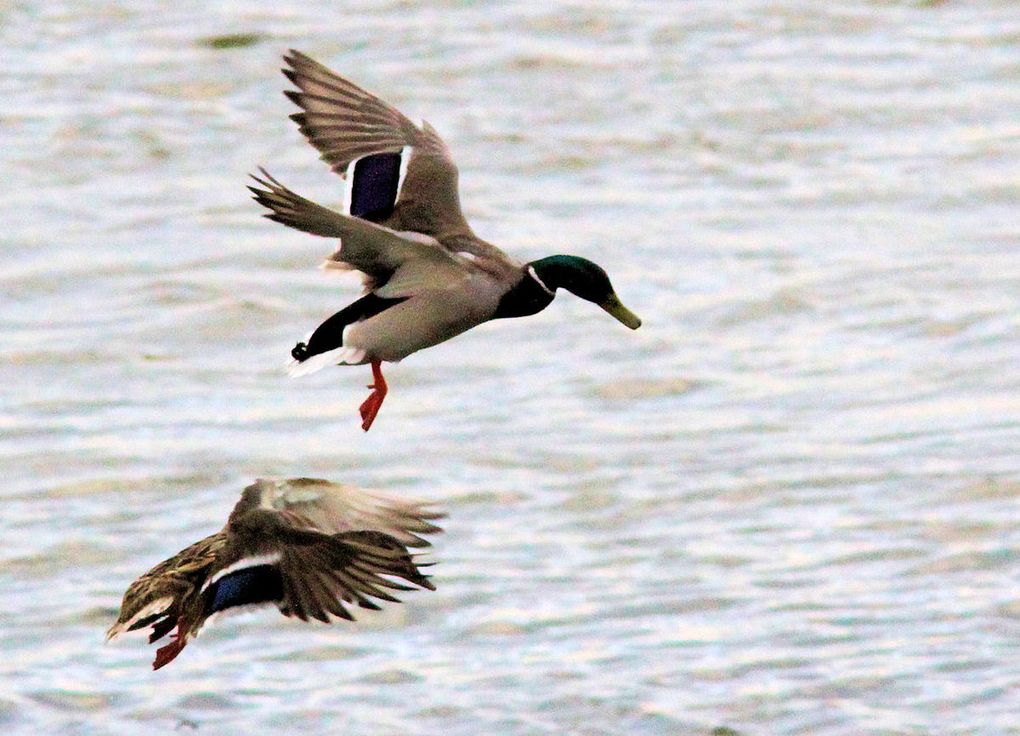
point(788, 504)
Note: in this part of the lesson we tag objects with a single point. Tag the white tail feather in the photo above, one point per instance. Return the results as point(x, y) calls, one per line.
point(341, 356)
point(156, 606)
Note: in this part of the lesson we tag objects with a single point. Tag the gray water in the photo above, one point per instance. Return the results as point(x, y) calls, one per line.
point(786, 505)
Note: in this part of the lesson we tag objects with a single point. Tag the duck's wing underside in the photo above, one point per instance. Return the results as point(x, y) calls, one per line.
point(399, 173)
point(335, 507)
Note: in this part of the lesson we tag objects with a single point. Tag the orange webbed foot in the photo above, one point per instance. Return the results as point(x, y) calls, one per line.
point(370, 406)
point(167, 653)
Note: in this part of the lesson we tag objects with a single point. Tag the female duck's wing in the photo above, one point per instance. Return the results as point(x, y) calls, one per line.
point(312, 503)
point(346, 124)
point(305, 573)
point(374, 250)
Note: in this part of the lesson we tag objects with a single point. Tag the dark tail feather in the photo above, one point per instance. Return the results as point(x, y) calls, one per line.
point(161, 628)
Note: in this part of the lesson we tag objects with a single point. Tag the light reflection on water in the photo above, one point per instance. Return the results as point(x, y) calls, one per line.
point(787, 504)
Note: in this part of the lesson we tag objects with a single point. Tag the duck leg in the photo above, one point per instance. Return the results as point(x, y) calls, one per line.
point(370, 407)
point(167, 653)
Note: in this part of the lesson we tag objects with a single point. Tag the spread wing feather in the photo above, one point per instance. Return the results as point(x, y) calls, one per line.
point(345, 122)
point(334, 507)
point(372, 249)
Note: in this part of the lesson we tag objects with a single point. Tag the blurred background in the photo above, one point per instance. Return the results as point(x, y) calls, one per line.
point(786, 505)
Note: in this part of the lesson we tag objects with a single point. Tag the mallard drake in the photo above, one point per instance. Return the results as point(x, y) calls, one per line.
point(303, 545)
point(428, 277)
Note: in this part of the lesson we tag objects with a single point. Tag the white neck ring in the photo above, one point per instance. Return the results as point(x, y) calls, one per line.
point(546, 289)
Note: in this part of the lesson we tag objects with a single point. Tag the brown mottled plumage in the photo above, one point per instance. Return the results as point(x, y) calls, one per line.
point(304, 545)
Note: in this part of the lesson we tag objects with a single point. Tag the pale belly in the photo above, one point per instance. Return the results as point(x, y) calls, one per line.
point(419, 322)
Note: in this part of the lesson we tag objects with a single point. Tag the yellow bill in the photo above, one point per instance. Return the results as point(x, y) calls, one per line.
point(615, 307)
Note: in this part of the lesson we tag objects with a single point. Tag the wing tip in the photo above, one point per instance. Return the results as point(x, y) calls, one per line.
point(294, 58)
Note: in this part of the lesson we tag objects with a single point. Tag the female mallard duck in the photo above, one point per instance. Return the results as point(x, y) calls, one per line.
point(428, 277)
point(303, 545)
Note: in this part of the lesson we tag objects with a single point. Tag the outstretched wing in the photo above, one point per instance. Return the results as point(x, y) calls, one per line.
point(346, 123)
point(307, 574)
point(374, 250)
point(305, 546)
point(312, 503)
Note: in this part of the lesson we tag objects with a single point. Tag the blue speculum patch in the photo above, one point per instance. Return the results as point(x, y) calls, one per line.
point(250, 585)
point(374, 186)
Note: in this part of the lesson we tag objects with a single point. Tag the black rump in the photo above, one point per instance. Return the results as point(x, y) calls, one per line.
point(330, 334)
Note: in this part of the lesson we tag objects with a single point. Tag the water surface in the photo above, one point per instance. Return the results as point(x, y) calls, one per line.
point(786, 505)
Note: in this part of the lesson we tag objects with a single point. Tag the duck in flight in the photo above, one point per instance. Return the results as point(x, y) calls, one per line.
point(305, 545)
point(427, 276)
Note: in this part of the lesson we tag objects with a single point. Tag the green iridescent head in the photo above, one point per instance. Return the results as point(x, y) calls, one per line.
point(585, 279)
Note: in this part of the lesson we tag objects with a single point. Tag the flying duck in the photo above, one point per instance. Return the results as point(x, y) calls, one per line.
point(304, 545)
point(427, 276)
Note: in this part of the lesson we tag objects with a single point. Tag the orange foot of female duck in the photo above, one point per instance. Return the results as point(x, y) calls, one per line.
point(370, 407)
point(166, 654)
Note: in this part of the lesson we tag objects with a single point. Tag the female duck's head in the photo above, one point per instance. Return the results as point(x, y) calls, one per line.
point(585, 279)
